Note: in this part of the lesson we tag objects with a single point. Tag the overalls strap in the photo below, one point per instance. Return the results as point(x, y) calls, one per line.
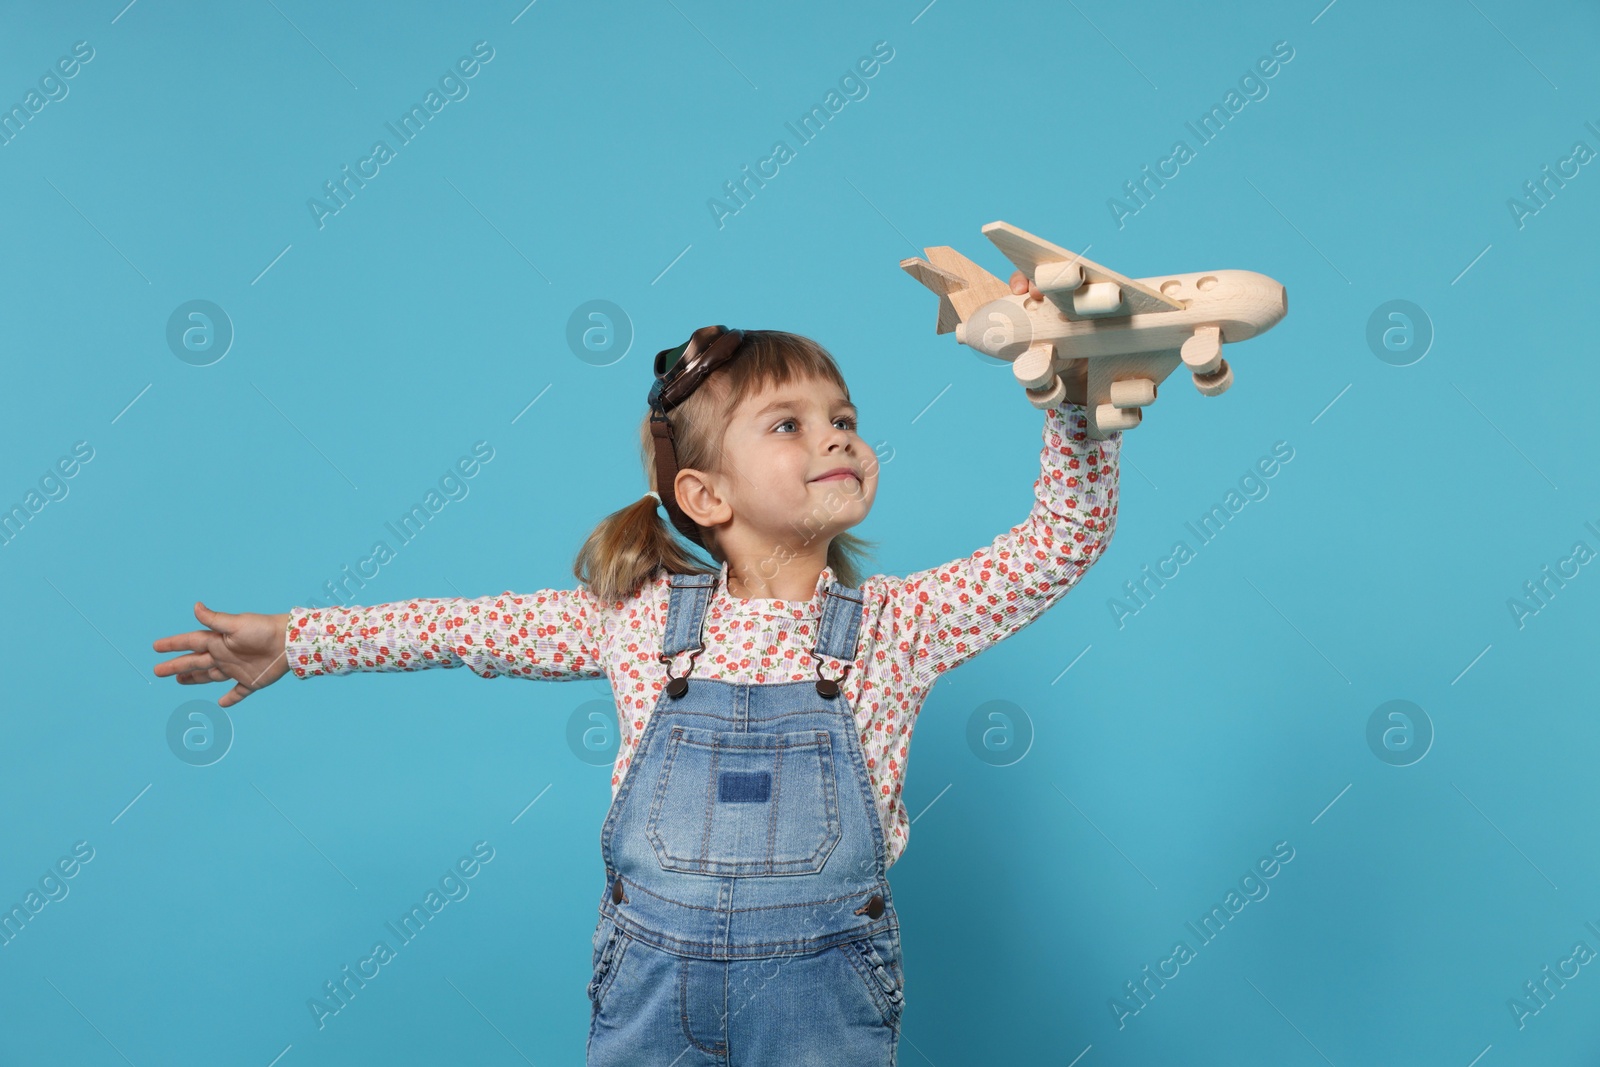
point(688, 598)
point(841, 620)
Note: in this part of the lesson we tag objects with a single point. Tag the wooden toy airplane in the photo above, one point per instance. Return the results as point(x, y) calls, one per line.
point(1133, 332)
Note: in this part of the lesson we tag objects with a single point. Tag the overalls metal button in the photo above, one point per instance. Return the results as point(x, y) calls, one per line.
point(828, 688)
point(616, 891)
point(873, 907)
point(676, 687)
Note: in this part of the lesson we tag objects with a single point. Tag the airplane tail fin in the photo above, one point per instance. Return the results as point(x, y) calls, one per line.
point(962, 286)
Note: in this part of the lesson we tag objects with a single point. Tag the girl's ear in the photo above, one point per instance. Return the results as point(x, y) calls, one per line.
point(700, 499)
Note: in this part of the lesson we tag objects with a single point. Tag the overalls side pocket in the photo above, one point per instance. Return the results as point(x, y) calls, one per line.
point(881, 976)
point(610, 946)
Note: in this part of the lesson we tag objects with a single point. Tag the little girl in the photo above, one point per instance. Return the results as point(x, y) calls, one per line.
point(765, 706)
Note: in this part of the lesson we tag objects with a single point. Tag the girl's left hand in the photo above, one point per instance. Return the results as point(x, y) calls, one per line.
point(1075, 375)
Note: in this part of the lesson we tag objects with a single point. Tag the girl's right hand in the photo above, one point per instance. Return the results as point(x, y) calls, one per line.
point(247, 649)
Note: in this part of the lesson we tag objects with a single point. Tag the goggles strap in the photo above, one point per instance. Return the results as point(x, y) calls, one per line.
point(666, 475)
point(678, 374)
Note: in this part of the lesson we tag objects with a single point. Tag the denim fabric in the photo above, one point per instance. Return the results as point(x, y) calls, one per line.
point(747, 845)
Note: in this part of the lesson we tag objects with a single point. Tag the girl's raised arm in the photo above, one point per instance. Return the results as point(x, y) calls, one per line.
point(950, 613)
point(551, 634)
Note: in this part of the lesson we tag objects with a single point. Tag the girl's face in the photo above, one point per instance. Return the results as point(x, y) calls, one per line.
point(779, 486)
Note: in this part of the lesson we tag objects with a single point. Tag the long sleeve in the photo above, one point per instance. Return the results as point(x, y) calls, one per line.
point(950, 613)
point(552, 634)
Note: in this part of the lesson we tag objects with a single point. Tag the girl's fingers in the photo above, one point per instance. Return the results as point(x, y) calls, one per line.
point(185, 664)
point(192, 641)
point(204, 674)
point(234, 695)
point(219, 621)
point(1021, 283)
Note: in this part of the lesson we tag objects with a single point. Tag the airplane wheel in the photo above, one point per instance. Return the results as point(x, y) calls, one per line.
point(1215, 383)
point(1047, 396)
point(1109, 417)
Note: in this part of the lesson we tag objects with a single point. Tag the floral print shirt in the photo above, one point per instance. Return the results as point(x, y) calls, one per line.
point(913, 629)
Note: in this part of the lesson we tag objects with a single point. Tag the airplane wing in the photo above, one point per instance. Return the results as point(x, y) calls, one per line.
point(1044, 262)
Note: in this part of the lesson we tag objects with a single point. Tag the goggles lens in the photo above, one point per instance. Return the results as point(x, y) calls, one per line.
point(668, 360)
point(690, 358)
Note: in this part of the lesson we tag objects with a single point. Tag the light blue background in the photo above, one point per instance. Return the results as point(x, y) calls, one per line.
point(1227, 715)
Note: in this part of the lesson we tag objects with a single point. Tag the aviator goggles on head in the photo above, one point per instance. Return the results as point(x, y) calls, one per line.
point(679, 372)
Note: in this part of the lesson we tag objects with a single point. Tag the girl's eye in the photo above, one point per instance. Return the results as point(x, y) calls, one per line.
point(851, 423)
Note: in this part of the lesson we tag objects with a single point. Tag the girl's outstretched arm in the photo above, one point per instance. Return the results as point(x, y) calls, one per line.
point(551, 634)
point(950, 613)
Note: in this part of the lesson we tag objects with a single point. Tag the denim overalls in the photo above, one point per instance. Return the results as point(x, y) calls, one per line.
point(746, 920)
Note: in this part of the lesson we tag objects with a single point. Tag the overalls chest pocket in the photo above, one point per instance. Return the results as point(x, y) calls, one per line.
point(737, 803)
